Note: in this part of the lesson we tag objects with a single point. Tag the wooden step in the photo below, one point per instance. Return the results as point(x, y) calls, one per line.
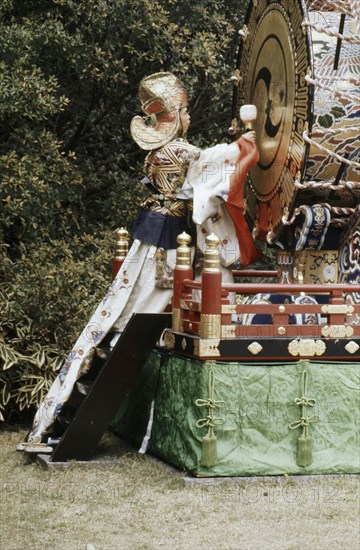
point(111, 385)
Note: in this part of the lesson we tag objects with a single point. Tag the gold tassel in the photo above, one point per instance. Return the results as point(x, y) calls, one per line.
point(209, 441)
point(209, 450)
point(304, 446)
point(304, 450)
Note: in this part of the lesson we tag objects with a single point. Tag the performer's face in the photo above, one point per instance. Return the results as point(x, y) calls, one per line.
point(185, 119)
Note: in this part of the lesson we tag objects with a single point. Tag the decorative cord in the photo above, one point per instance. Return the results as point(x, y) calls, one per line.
point(304, 421)
point(330, 185)
point(337, 4)
point(211, 404)
point(209, 441)
point(341, 93)
point(330, 31)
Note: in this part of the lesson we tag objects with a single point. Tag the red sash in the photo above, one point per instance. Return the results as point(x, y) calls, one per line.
point(248, 156)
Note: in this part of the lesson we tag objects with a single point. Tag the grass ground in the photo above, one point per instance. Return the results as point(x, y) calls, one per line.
point(138, 503)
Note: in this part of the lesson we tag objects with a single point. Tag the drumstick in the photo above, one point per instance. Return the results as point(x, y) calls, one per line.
point(248, 114)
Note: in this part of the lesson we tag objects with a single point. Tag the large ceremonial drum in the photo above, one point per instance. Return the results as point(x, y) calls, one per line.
point(299, 63)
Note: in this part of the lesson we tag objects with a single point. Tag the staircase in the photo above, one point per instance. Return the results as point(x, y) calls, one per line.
point(98, 394)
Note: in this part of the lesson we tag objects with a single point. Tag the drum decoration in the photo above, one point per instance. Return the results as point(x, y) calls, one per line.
point(298, 63)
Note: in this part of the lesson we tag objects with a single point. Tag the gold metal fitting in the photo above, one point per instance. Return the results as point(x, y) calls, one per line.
point(183, 252)
point(176, 319)
point(255, 348)
point(122, 244)
point(212, 254)
point(210, 326)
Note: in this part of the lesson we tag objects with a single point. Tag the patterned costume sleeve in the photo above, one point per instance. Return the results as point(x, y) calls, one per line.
point(217, 178)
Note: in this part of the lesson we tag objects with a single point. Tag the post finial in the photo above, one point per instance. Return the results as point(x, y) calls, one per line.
point(122, 244)
point(183, 239)
point(212, 254)
point(182, 271)
point(183, 252)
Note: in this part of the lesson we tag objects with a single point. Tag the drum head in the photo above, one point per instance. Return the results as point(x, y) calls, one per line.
point(274, 59)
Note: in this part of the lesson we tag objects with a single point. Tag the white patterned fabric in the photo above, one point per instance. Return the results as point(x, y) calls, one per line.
point(133, 291)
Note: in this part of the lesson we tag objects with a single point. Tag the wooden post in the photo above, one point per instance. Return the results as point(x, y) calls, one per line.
point(337, 309)
point(182, 271)
point(121, 250)
point(210, 322)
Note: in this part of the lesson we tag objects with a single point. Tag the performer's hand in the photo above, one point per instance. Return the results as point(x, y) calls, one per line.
point(250, 136)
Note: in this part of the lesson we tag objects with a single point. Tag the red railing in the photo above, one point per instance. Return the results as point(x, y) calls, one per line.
point(212, 315)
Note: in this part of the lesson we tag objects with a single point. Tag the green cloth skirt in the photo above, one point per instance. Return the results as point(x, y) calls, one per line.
point(256, 413)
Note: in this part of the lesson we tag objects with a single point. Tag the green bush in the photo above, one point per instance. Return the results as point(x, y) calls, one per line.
point(70, 172)
point(48, 295)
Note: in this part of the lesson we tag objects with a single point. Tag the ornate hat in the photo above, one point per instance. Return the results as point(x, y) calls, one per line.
point(162, 96)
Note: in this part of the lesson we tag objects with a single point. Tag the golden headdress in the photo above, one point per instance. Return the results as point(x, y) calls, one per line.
point(162, 96)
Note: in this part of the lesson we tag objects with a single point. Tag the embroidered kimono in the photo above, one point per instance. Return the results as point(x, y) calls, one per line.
point(175, 173)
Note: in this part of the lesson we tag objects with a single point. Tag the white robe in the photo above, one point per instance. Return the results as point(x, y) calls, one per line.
point(134, 289)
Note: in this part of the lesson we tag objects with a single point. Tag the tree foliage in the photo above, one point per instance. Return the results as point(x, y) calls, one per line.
point(69, 72)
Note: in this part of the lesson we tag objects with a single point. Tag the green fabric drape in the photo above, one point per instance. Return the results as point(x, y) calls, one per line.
point(261, 400)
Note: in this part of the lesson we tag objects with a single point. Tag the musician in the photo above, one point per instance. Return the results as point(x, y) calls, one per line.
point(192, 190)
